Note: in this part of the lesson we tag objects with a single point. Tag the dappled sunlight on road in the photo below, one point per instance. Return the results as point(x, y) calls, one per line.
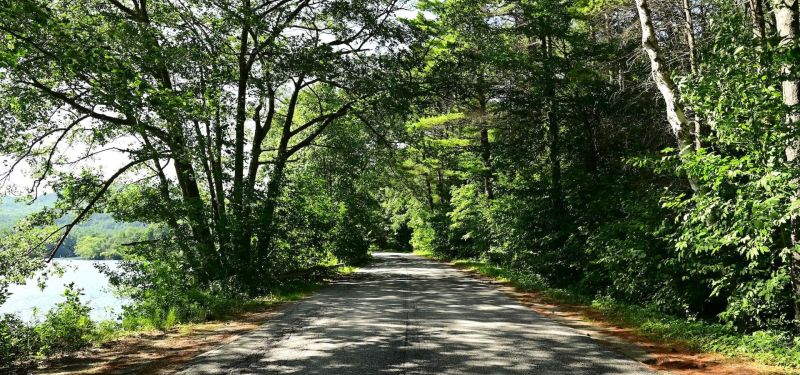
point(407, 315)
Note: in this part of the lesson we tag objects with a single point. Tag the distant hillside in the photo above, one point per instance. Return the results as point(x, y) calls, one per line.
point(99, 237)
point(12, 210)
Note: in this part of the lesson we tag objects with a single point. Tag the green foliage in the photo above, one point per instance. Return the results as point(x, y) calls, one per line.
point(18, 342)
point(350, 234)
point(90, 247)
point(67, 327)
point(168, 301)
point(13, 210)
point(468, 222)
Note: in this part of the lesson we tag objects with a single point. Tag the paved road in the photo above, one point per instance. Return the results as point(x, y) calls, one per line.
point(407, 315)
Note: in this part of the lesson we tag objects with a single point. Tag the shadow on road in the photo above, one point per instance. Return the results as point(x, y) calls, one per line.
point(407, 315)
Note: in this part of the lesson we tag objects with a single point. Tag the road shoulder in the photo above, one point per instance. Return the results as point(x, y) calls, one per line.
point(671, 358)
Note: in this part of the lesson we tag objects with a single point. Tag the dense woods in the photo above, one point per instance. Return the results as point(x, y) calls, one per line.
point(639, 151)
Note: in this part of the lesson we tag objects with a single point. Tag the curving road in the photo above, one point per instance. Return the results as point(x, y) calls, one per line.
point(407, 315)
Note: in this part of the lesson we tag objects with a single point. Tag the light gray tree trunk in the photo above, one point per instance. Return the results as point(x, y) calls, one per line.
point(690, 42)
point(676, 116)
point(786, 14)
point(689, 29)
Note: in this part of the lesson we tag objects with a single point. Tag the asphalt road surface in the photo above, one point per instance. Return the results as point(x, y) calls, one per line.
point(407, 315)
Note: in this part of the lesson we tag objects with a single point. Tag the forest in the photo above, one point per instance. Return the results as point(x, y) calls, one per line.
point(98, 237)
point(634, 153)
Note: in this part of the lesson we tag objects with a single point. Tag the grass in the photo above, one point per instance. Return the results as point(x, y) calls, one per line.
point(282, 294)
point(765, 347)
point(221, 310)
point(225, 308)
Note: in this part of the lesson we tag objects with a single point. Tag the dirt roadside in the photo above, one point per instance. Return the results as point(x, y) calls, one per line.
point(159, 352)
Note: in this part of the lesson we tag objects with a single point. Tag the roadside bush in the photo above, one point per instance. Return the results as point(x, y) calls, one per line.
point(18, 341)
point(67, 327)
point(469, 232)
point(165, 296)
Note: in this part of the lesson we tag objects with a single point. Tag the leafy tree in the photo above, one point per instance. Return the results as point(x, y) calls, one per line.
point(227, 95)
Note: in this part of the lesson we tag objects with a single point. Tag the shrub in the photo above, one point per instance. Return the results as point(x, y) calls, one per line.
point(18, 341)
point(67, 327)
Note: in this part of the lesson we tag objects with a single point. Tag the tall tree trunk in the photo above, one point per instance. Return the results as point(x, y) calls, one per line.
point(553, 131)
point(486, 151)
point(197, 219)
point(690, 42)
point(215, 158)
point(786, 17)
point(676, 116)
point(429, 191)
point(556, 193)
point(689, 30)
point(267, 222)
point(241, 109)
point(241, 236)
point(486, 156)
point(590, 153)
point(261, 131)
point(757, 18)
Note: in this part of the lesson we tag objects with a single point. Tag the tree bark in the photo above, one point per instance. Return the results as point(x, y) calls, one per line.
point(215, 158)
point(429, 191)
point(757, 18)
point(555, 163)
point(676, 116)
point(690, 42)
point(786, 17)
point(486, 151)
point(197, 219)
point(486, 155)
point(689, 29)
point(267, 222)
point(241, 110)
point(241, 236)
point(553, 131)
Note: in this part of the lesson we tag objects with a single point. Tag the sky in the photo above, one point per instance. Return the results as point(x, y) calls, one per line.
point(21, 180)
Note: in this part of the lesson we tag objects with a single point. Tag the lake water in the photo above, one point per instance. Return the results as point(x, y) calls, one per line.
point(31, 303)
